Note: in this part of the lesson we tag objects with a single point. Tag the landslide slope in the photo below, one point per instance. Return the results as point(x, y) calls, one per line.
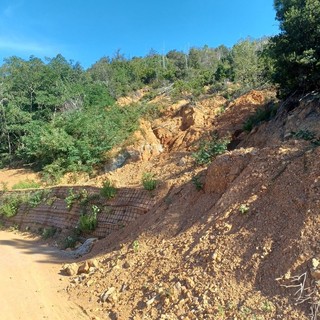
point(245, 246)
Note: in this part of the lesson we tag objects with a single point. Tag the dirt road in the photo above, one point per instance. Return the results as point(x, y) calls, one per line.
point(30, 284)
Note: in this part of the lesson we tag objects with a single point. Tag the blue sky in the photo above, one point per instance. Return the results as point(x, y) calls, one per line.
point(85, 31)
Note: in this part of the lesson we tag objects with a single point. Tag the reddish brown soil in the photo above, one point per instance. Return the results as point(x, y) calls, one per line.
point(229, 251)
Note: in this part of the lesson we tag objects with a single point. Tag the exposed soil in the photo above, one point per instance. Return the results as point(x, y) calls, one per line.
point(30, 284)
point(238, 248)
point(10, 177)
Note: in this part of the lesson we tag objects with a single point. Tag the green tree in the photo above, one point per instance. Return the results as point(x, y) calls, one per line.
point(246, 66)
point(295, 52)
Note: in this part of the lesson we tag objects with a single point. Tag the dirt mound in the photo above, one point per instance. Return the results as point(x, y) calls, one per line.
point(237, 249)
point(135, 97)
point(223, 252)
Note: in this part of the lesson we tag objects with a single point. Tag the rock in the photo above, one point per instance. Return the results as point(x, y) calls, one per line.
point(93, 263)
point(83, 249)
point(315, 273)
point(126, 265)
point(190, 283)
point(89, 282)
point(108, 295)
point(178, 286)
point(84, 268)
point(151, 301)
point(70, 269)
point(315, 263)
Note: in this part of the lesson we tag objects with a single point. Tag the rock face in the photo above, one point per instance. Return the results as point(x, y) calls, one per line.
point(83, 249)
point(146, 144)
point(225, 168)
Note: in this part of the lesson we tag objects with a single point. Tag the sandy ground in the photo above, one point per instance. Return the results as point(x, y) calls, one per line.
point(30, 283)
point(9, 177)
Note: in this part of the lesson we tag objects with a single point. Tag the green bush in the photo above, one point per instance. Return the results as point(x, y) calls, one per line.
point(10, 204)
point(261, 114)
point(35, 198)
point(108, 190)
point(148, 181)
point(27, 184)
point(197, 183)
point(71, 198)
point(295, 52)
point(88, 222)
point(48, 232)
point(210, 149)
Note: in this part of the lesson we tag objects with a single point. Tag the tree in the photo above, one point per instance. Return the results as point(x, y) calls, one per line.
point(245, 63)
point(295, 52)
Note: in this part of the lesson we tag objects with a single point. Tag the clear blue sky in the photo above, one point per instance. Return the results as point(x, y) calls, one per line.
point(86, 30)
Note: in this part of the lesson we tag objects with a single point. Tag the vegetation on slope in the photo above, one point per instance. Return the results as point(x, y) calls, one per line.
point(57, 117)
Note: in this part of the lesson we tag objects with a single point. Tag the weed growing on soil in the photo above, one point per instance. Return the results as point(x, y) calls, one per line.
point(26, 184)
point(48, 232)
point(210, 149)
point(148, 181)
point(88, 222)
point(10, 204)
point(265, 114)
point(308, 136)
point(108, 190)
point(71, 198)
point(71, 240)
point(135, 245)
point(197, 183)
point(243, 209)
point(35, 198)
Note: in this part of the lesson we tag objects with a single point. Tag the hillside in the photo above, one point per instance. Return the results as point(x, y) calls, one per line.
point(237, 239)
point(240, 248)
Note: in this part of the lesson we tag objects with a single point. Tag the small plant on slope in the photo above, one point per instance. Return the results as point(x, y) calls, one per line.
point(88, 222)
point(210, 149)
point(197, 183)
point(148, 181)
point(26, 184)
point(108, 190)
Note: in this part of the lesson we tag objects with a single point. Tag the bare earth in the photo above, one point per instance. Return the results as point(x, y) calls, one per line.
point(30, 284)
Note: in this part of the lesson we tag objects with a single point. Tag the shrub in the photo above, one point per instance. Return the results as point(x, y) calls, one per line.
point(35, 198)
point(210, 149)
point(48, 232)
point(71, 198)
point(197, 183)
point(264, 114)
point(108, 190)
point(88, 222)
point(10, 205)
point(27, 184)
point(148, 181)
